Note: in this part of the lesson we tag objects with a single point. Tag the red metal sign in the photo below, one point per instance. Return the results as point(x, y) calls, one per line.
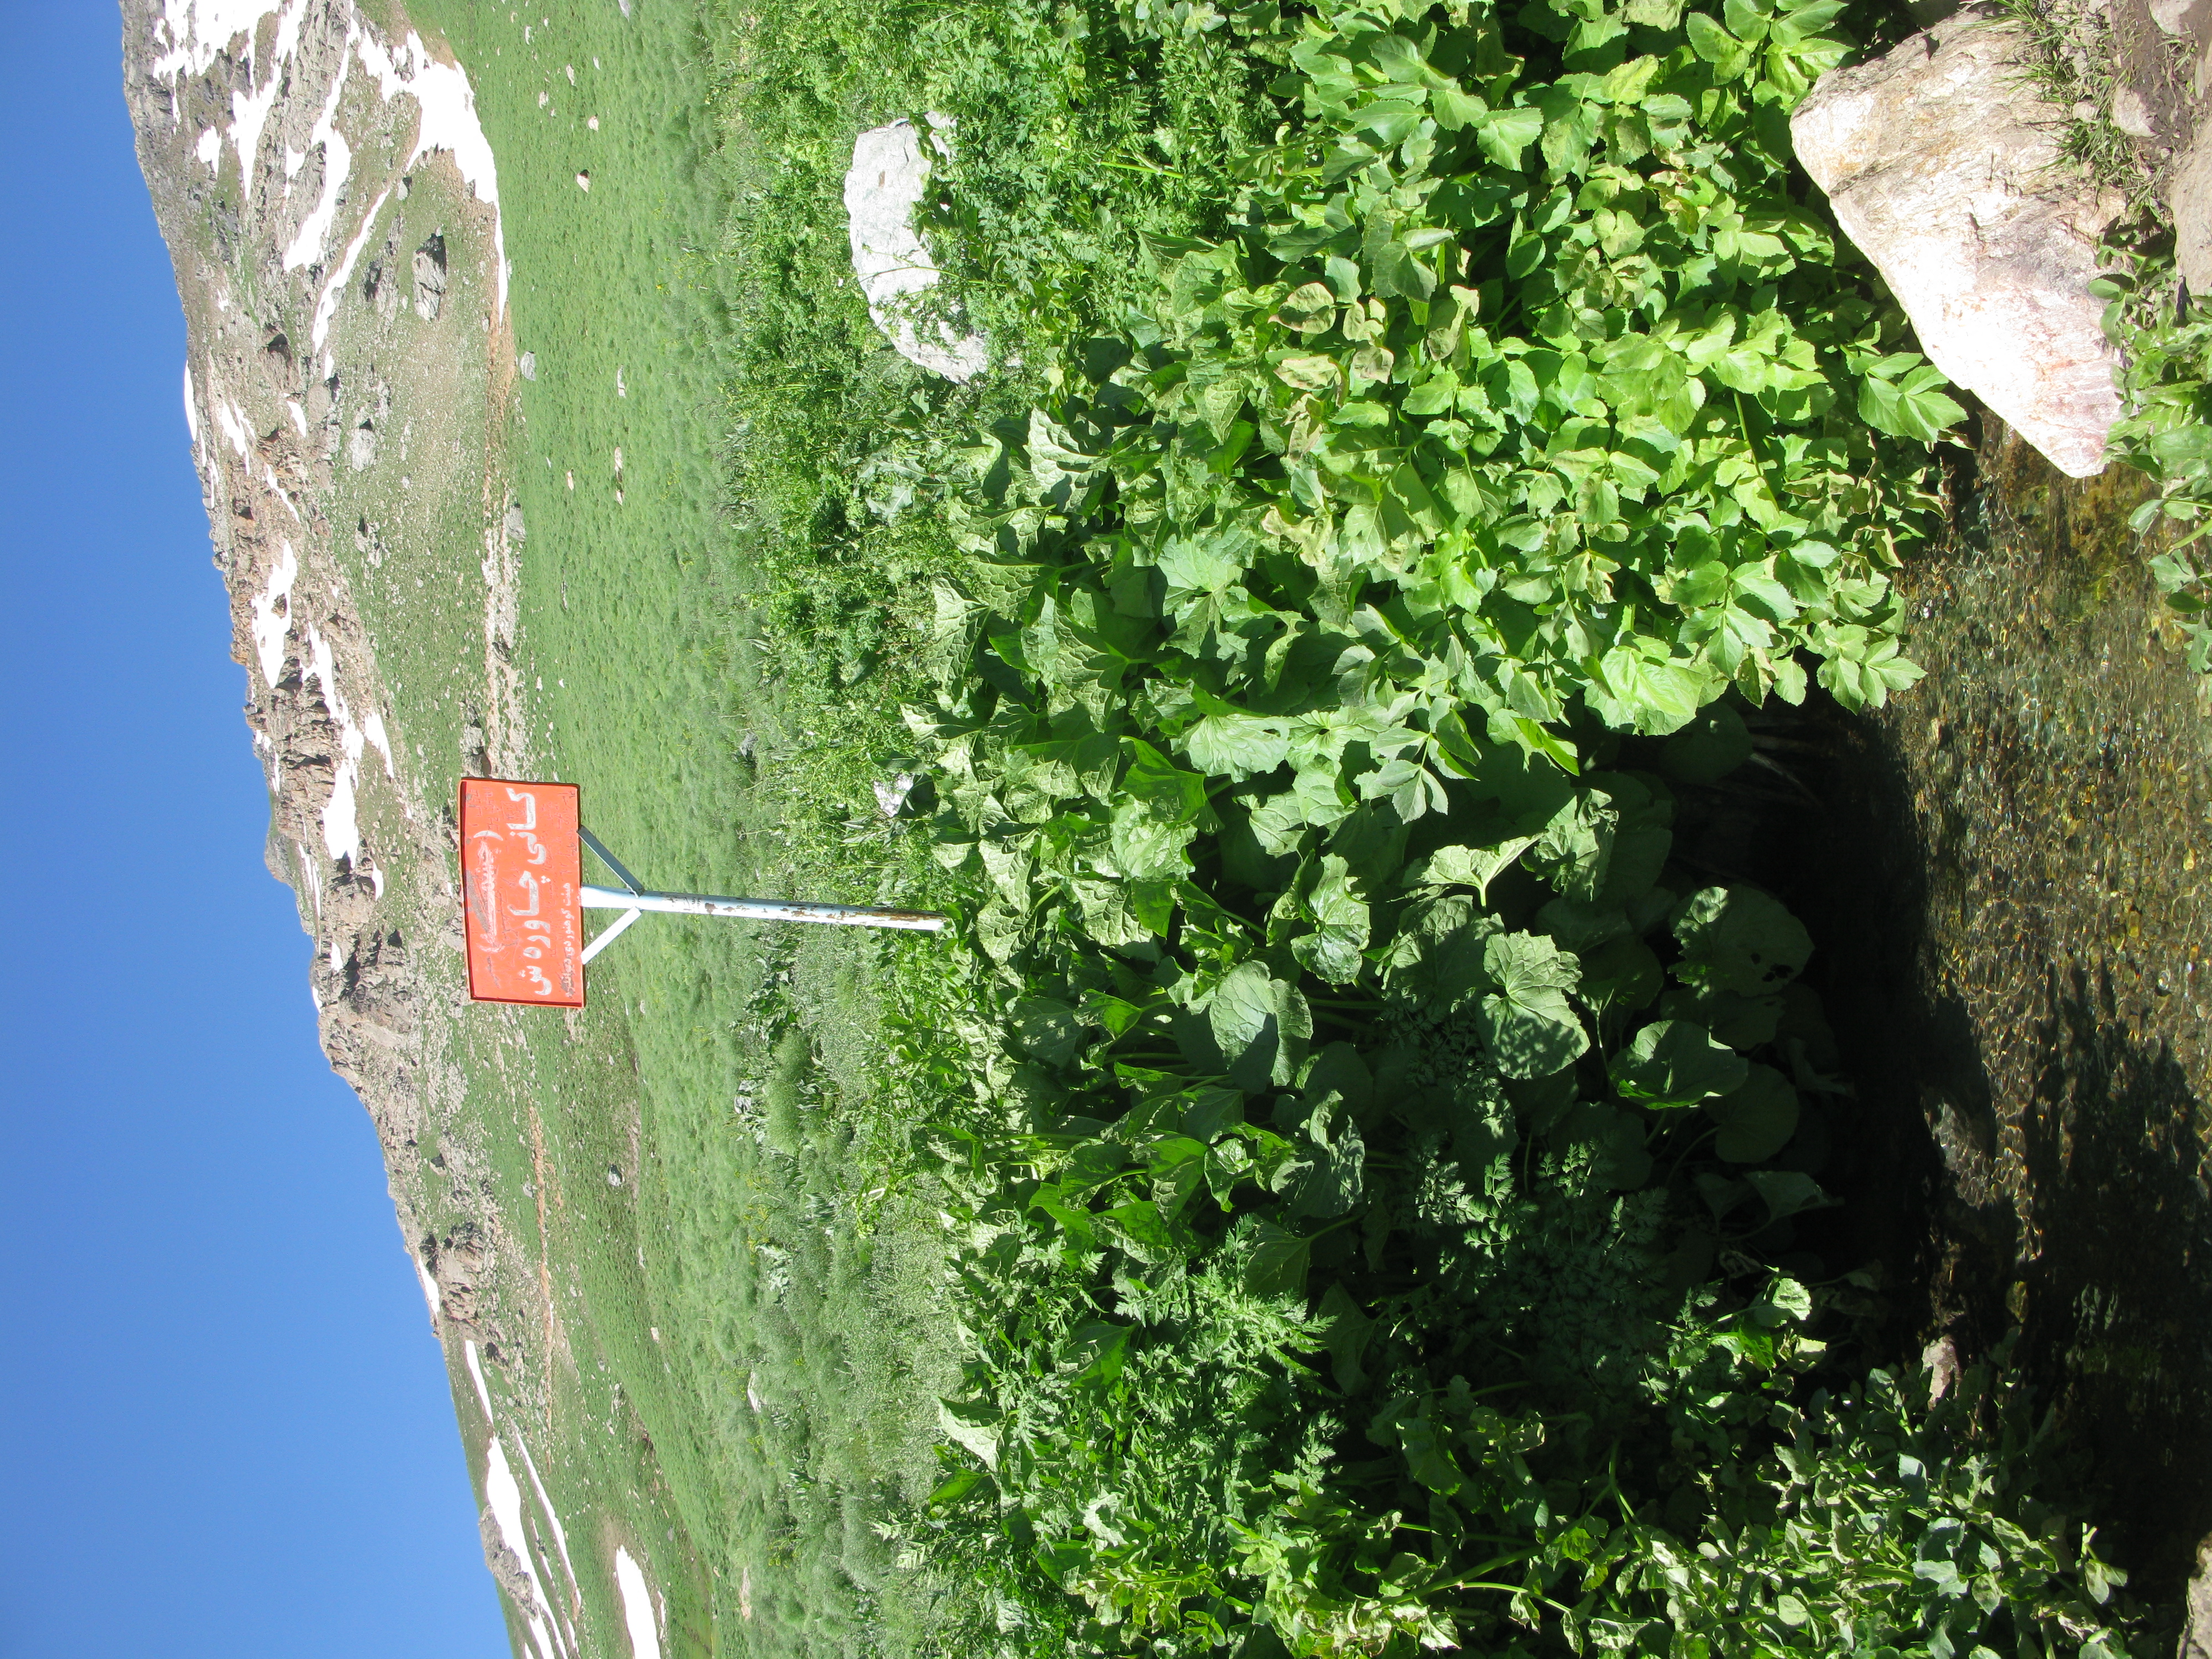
point(521, 879)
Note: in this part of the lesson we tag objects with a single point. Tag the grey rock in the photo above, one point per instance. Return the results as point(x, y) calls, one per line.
point(883, 189)
point(1942, 164)
point(2189, 194)
point(2131, 113)
point(527, 365)
point(2197, 1612)
point(890, 795)
point(2192, 19)
point(430, 278)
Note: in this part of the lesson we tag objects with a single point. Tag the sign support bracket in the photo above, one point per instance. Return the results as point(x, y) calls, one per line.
point(614, 930)
point(633, 899)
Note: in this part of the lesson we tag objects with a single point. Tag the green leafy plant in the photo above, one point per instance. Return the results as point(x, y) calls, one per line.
point(1347, 1076)
point(2165, 432)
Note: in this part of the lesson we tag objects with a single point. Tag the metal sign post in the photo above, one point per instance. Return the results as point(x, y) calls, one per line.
point(524, 896)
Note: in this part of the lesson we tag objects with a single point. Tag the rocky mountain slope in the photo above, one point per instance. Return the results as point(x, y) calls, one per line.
point(331, 205)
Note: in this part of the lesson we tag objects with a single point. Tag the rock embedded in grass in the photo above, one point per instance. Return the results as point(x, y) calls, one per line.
point(430, 278)
point(883, 188)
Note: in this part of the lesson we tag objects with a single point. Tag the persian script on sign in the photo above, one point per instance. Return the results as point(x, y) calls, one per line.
point(522, 879)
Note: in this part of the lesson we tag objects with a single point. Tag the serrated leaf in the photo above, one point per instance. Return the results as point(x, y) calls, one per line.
point(1504, 135)
point(1531, 1028)
point(1332, 950)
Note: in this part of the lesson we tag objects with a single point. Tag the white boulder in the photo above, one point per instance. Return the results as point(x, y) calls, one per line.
point(882, 189)
point(1942, 164)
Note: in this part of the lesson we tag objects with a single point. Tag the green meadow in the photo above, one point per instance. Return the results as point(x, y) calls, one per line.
point(1344, 1186)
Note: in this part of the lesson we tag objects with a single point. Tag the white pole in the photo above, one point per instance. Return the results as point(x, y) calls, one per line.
point(700, 904)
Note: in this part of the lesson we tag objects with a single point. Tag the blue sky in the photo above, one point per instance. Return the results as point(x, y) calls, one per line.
point(228, 1427)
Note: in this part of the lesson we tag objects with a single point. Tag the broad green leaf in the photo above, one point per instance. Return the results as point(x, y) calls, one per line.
point(1436, 961)
point(1505, 134)
point(1468, 866)
point(1428, 1456)
point(1788, 1298)
point(1143, 847)
point(1741, 1022)
point(1345, 1332)
point(1371, 840)
point(1713, 745)
point(1908, 405)
point(1673, 1064)
point(1047, 1030)
point(1338, 1071)
point(1389, 120)
point(1728, 56)
point(961, 1485)
point(1098, 1351)
point(1331, 1182)
point(1261, 1025)
point(1526, 1019)
point(1230, 742)
point(1277, 1264)
point(1139, 1228)
point(1739, 939)
point(1201, 564)
point(1341, 921)
point(1456, 109)
point(1106, 912)
point(1164, 789)
point(1395, 271)
point(975, 1424)
point(1623, 975)
point(1786, 1192)
point(1310, 371)
point(1053, 455)
point(1310, 308)
point(1211, 1112)
point(1756, 1118)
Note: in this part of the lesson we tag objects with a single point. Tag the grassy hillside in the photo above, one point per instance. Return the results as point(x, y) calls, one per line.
point(1355, 1186)
point(761, 1291)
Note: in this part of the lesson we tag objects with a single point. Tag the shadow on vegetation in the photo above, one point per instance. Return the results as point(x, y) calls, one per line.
point(2002, 871)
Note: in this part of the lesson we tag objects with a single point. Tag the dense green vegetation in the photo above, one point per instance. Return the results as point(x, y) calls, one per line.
point(1284, 723)
point(1375, 1177)
point(2166, 433)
